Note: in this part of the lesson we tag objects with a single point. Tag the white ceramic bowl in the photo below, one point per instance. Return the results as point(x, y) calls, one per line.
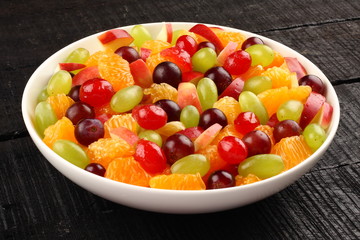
point(169, 201)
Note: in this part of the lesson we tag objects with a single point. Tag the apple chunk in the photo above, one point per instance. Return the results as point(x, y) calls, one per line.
point(295, 66)
point(187, 95)
point(207, 33)
point(165, 33)
point(312, 106)
point(234, 89)
point(115, 38)
point(324, 116)
point(71, 66)
point(125, 134)
point(85, 74)
point(207, 136)
point(141, 73)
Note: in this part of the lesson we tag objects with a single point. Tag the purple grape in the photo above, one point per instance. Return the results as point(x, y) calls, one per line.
point(74, 93)
point(206, 44)
point(316, 84)
point(257, 142)
point(79, 111)
point(286, 128)
point(96, 168)
point(177, 146)
point(128, 53)
point(171, 108)
point(220, 76)
point(220, 179)
point(251, 41)
point(167, 72)
point(88, 131)
point(212, 116)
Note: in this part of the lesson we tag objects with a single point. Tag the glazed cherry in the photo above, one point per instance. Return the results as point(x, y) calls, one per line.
point(232, 150)
point(316, 84)
point(79, 111)
point(96, 168)
point(286, 128)
point(220, 179)
point(251, 41)
point(220, 76)
point(167, 72)
point(75, 93)
point(88, 131)
point(212, 116)
point(149, 116)
point(177, 146)
point(257, 142)
point(96, 92)
point(205, 45)
point(171, 108)
point(246, 122)
point(187, 43)
point(237, 62)
point(128, 53)
point(150, 156)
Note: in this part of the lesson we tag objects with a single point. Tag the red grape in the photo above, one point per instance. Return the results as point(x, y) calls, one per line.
point(167, 72)
point(251, 41)
point(171, 108)
point(205, 45)
point(316, 84)
point(128, 53)
point(220, 179)
point(88, 131)
point(96, 168)
point(220, 76)
point(212, 116)
point(286, 128)
point(79, 111)
point(74, 93)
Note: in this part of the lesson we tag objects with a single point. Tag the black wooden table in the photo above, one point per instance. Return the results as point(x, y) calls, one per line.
point(37, 202)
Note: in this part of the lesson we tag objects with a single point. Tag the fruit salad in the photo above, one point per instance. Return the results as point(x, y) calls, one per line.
point(189, 109)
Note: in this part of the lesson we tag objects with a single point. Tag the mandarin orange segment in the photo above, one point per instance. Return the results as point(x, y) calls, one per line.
point(273, 98)
point(229, 106)
point(127, 170)
point(153, 60)
point(300, 93)
point(60, 103)
point(251, 178)
point(252, 72)
point(161, 91)
point(62, 129)
point(121, 120)
point(293, 150)
point(268, 130)
point(105, 150)
point(228, 130)
point(279, 77)
point(155, 46)
point(115, 70)
point(178, 182)
point(93, 60)
point(216, 162)
point(226, 37)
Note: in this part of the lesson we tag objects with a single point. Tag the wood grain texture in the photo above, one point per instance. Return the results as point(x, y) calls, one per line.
point(37, 202)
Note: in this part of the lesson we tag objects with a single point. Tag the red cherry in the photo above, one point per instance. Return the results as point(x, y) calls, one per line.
point(149, 116)
point(246, 122)
point(96, 92)
point(178, 56)
point(232, 150)
point(187, 43)
point(150, 156)
point(238, 62)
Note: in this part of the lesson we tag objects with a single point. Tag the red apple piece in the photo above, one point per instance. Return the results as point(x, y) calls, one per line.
point(324, 116)
point(71, 66)
point(115, 38)
point(192, 77)
point(207, 136)
point(85, 74)
point(228, 49)
point(125, 134)
point(165, 33)
point(207, 33)
point(312, 106)
point(141, 73)
point(234, 89)
point(295, 66)
point(145, 53)
point(192, 132)
point(187, 95)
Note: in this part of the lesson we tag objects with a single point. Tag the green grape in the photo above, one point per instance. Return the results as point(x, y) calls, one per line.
point(152, 136)
point(126, 99)
point(260, 54)
point(204, 59)
point(191, 164)
point(249, 102)
point(140, 35)
point(60, 82)
point(44, 117)
point(262, 165)
point(189, 116)
point(314, 136)
point(71, 152)
point(79, 55)
point(43, 95)
point(207, 91)
point(257, 84)
point(290, 110)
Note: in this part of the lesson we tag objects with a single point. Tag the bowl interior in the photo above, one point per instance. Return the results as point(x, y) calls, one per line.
point(169, 201)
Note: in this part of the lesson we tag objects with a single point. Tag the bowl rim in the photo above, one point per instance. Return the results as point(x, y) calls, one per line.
point(48, 153)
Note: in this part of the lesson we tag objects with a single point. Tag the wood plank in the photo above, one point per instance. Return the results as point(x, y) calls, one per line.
point(38, 201)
